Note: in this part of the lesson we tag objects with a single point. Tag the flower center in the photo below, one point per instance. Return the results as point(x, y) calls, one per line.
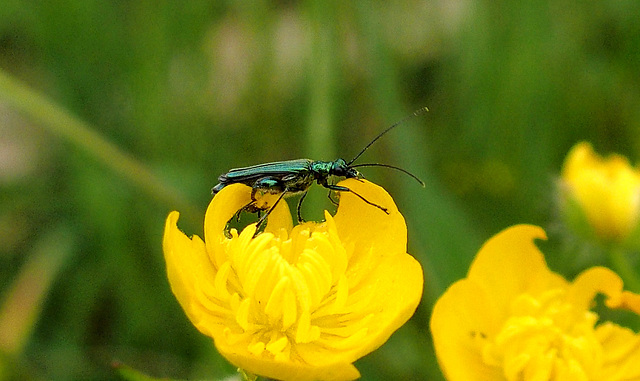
point(286, 289)
point(545, 338)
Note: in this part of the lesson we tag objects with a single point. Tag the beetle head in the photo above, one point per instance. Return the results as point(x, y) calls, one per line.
point(341, 168)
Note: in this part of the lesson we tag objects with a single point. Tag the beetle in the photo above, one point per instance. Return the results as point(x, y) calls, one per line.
point(291, 177)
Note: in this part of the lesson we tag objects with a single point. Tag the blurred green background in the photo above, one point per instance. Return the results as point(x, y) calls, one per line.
point(113, 113)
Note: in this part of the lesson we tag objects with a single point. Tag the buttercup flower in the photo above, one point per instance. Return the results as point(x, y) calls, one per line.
point(297, 302)
point(606, 189)
point(513, 319)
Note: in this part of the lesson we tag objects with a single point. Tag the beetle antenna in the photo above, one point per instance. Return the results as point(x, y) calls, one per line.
point(392, 167)
point(396, 124)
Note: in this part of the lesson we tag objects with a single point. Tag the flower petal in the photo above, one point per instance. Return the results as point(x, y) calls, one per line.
point(510, 264)
point(379, 262)
point(280, 218)
point(187, 264)
point(375, 232)
point(602, 280)
point(222, 208)
point(227, 203)
point(397, 289)
point(621, 348)
point(460, 322)
point(333, 370)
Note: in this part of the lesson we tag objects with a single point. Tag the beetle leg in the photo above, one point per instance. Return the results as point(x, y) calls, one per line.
point(334, 202)
point(300, 220)
point(249, 207)
point(263, 218)
point(345, 189)
point(237, 215)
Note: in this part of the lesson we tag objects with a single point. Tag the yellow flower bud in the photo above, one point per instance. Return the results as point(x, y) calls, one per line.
point(606, 189)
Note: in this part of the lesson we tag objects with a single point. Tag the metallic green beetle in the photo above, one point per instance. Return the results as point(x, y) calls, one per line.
point(291, 177)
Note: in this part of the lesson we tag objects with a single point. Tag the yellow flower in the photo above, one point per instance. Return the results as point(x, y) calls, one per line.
point(301, 302)
point(606, 189)
point(513, 319)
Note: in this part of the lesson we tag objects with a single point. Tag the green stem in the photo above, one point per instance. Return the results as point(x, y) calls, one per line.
point(246, 376)
point(620, 263)
point(23, 300)
point(62, 123)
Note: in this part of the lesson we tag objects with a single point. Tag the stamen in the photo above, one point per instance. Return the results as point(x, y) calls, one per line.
point(242, 315)
point(274, 306)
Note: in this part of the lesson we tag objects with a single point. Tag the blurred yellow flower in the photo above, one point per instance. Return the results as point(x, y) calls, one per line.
point(606, 189)
point(513, 319)
point(301, 302)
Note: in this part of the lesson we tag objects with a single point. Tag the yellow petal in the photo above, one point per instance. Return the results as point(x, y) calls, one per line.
point(280, 218)
point(579, 157)
point(222, 208)
point(510, 264)
point(226, 204)
point(334, 369)
point(621, 348)
point(628, 301)
point(375, 232)
point(229, 200)
point(397, 286)
point(460, 323)
point(187, 265)
point(380, 266)
point(601, 280)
